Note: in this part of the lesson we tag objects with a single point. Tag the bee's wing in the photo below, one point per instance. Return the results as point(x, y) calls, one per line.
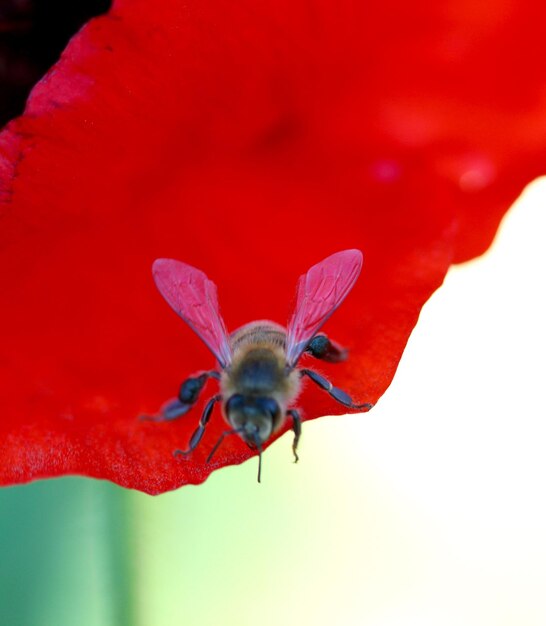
point(194, 297)
point(318, 295)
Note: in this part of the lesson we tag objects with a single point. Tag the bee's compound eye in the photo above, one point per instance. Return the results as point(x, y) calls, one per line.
point(236, 410)
point(269, 406)
point(235, 404)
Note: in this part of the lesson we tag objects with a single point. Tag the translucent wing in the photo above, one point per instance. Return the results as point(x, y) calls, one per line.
point(194, 297)
point(318, 295)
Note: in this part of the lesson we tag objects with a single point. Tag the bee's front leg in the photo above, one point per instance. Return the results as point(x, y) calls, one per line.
point(200, 430)
point(296, 427)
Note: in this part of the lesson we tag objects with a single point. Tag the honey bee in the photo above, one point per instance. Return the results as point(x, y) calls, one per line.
point(258, 371)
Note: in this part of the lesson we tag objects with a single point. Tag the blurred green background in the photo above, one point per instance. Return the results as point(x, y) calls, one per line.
point(227, 552)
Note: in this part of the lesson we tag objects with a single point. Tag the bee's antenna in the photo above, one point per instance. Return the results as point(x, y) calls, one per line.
point(260, 450)
point(220, 439)
point(259, 464)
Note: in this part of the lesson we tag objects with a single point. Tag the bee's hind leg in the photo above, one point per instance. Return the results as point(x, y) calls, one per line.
point(188, 395)
point(171, 410)
point(296, 427)
point(200, 430)
point(323, 348)
point(192, 387)
point(337, 394)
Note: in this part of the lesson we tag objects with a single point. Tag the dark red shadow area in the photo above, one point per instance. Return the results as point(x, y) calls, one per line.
point(33, 34)
point(251, 141)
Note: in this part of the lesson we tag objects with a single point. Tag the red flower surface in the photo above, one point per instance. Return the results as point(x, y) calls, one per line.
point(250, 140)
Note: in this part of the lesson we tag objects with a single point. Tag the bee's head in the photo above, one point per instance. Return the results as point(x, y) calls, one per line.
point(255, 418)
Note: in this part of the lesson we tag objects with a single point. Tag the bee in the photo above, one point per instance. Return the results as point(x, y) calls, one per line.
point(258, 371)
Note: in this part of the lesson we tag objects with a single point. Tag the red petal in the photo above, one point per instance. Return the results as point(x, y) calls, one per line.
point(251, 143)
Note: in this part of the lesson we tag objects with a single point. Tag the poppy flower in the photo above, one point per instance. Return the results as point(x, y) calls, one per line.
point(250, 142)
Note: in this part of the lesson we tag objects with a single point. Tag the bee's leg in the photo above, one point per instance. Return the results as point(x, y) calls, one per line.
point(221, 439)
point(199, 431)
point(192, 387)
point(296, 426)
point(337, 394)
point(187, 397)
point(171, 410)
point(323, 348)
